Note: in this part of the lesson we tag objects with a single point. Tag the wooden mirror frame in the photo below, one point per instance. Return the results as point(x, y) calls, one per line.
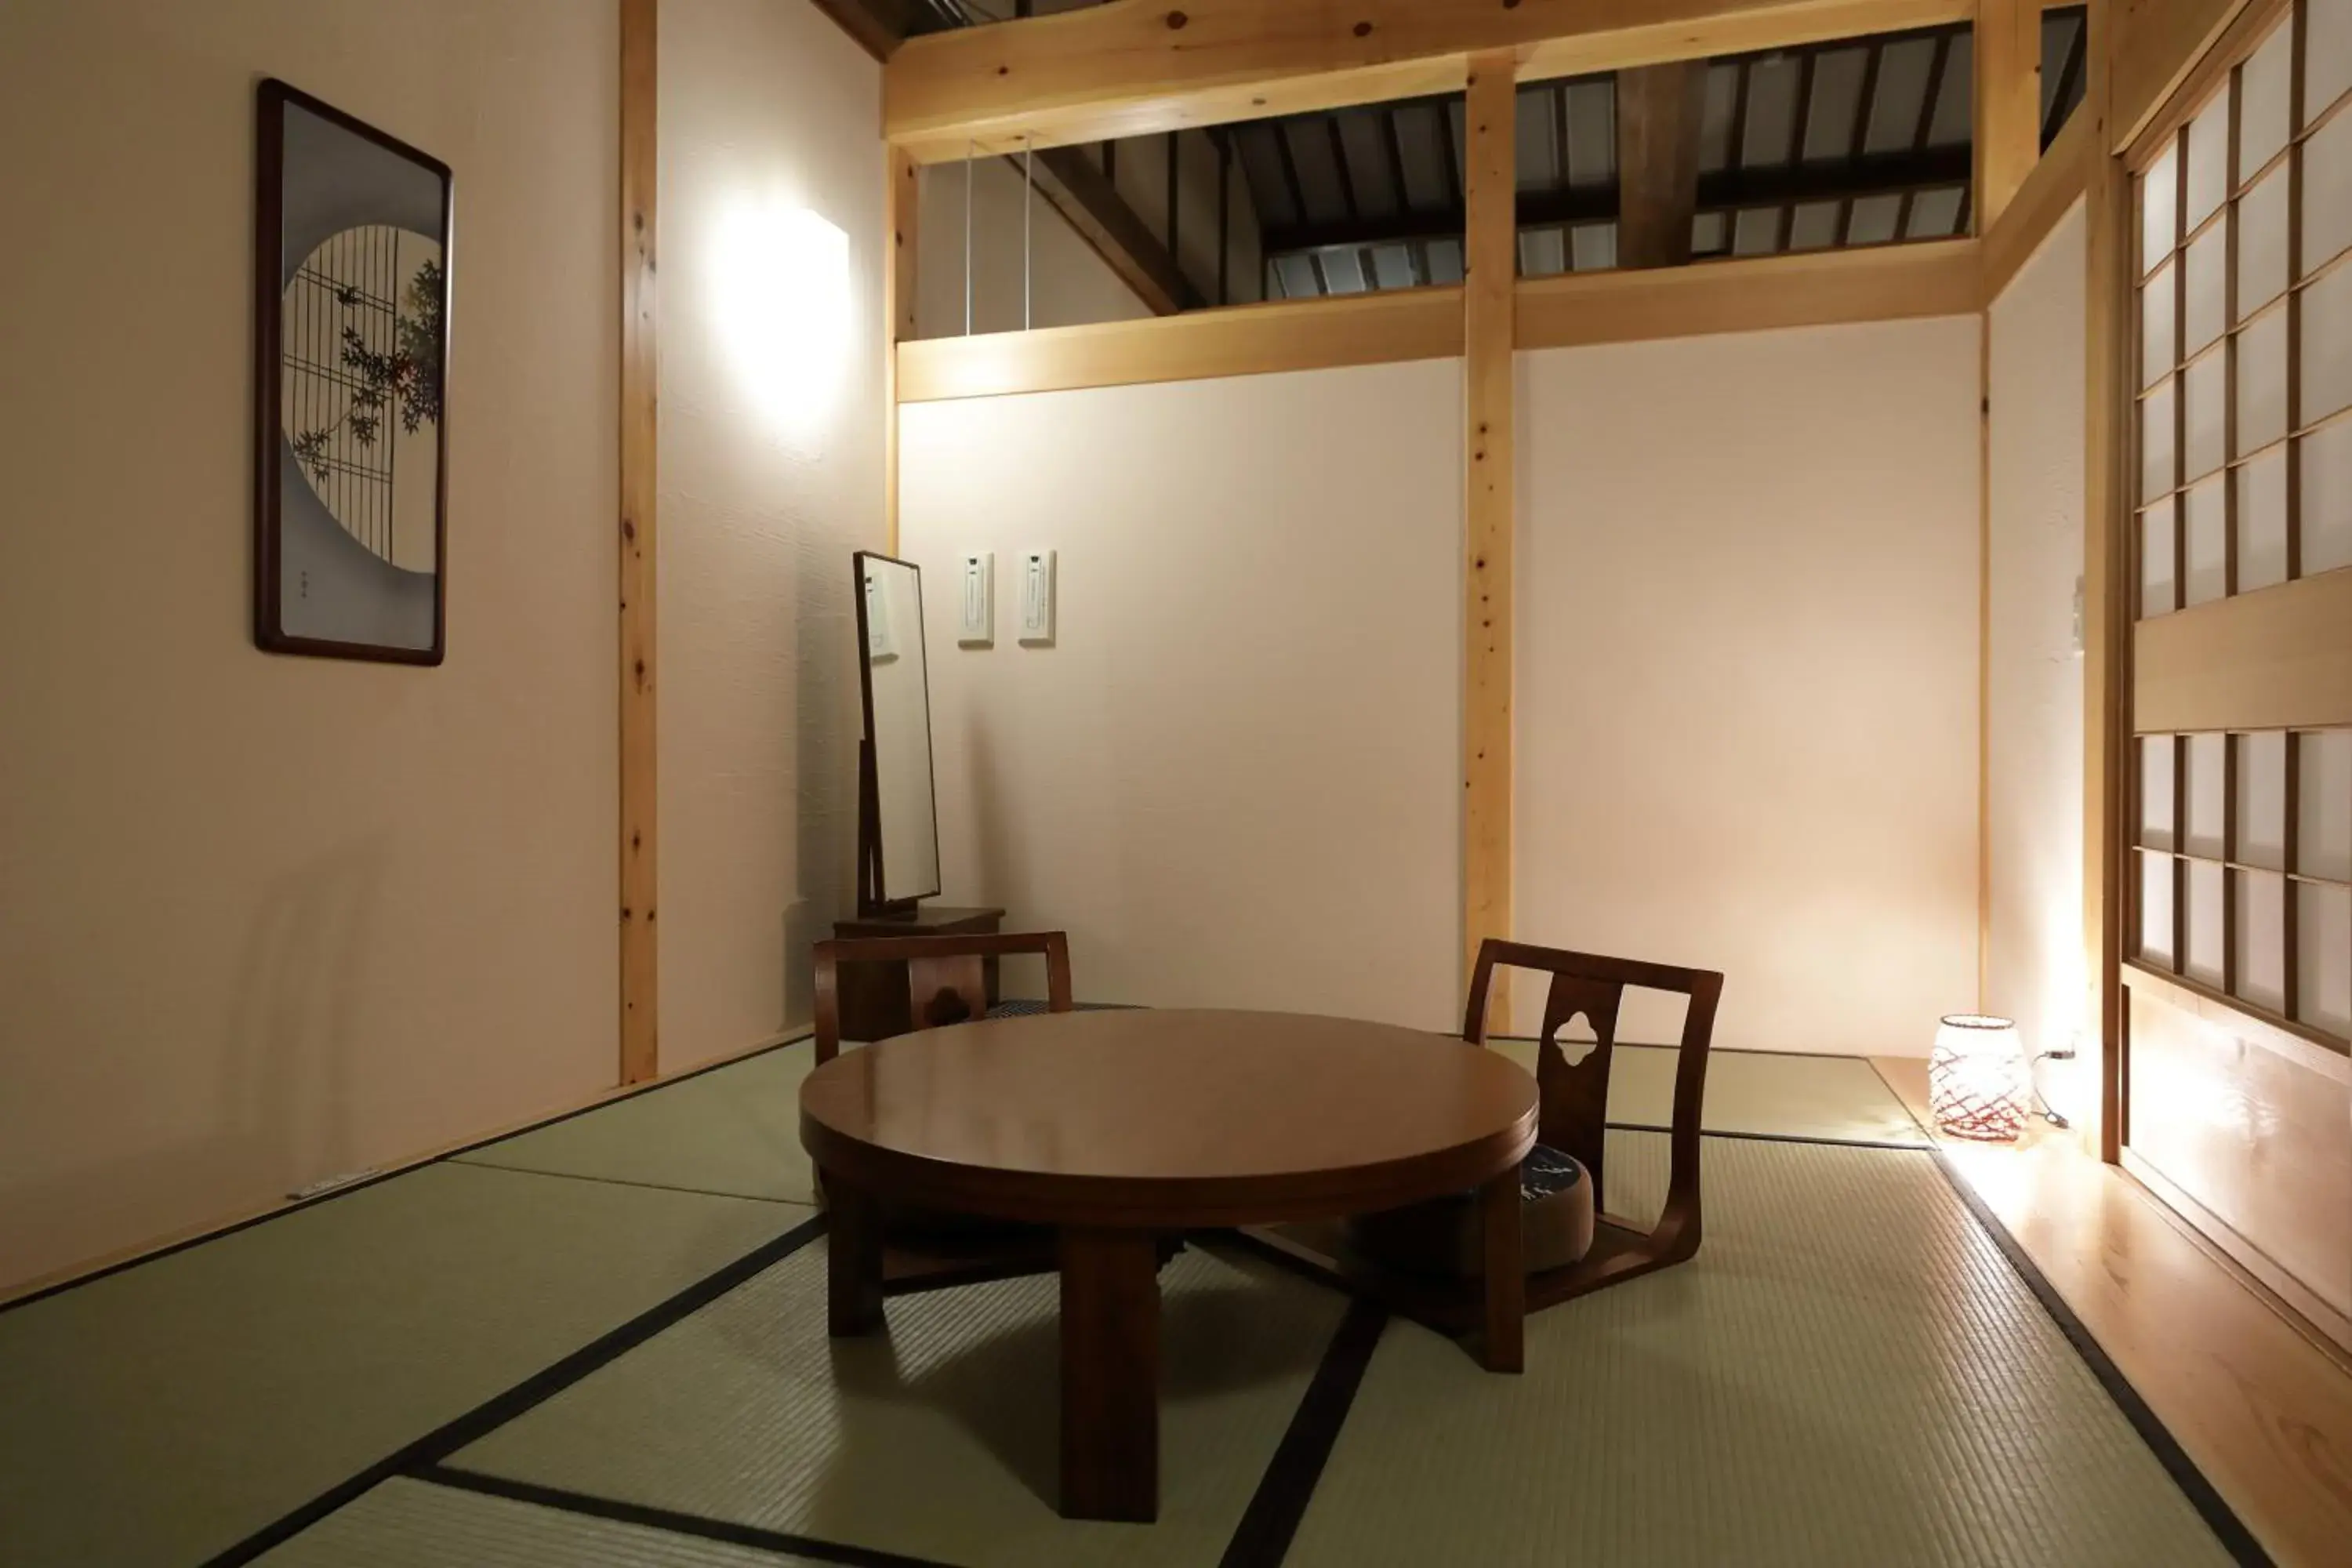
point(872, 901)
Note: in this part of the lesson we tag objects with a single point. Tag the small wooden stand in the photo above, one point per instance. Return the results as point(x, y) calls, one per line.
point(874, 996)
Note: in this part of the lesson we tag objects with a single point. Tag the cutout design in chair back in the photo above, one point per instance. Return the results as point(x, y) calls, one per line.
point(1573, 1097)
point(946, 976)
point(943, 990)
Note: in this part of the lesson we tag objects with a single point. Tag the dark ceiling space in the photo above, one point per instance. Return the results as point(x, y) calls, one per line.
point(1855, 143)
point(1858, 141)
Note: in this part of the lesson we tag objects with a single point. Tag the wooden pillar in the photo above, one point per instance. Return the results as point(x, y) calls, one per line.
point(640, 966)
point(902, 201)
point(2008, 45)
point(1491, 246)
point(2106, 595)
point(1984, 659)
point(1658, 110)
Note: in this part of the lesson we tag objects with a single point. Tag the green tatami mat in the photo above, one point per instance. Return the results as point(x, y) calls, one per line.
point(163, 1413)
point(737, 1129)
point(940, 1440)
point(1849, 1372)
point(415, 1524)
point(732, 1129)
point(1838, 1100)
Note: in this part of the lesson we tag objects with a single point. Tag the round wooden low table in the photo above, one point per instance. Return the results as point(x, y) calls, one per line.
point(1115, 1127)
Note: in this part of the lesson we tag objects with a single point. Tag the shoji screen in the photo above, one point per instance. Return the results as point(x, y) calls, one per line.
point(2239, 1092)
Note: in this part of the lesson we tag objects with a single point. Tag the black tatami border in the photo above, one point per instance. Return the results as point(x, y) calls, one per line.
point(303, 1205)
point(1275, 1509)
point(699, 1526)
point(1279, 1506)
point(541, 1386)
point(2211, 1506)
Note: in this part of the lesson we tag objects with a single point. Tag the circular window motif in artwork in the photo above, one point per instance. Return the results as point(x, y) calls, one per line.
point(360, 351)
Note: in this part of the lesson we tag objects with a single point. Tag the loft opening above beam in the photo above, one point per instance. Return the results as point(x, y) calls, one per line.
point(1137, 66)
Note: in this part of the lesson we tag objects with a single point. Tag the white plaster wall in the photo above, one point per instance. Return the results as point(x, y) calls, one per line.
point(266, 918)
point(1232, 779)
point(771, 475)
point(2035, 958)
point(1747, 699)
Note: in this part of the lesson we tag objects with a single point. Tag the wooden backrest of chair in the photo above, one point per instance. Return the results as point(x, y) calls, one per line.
point(1573, 1097)
point(946, 975)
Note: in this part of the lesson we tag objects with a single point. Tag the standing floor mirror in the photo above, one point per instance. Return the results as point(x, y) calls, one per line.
point(898, 815)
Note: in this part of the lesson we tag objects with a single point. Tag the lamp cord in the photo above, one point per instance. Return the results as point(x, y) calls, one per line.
point(2043, 1108)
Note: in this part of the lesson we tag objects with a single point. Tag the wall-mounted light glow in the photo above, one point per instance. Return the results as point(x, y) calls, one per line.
point(781, 278)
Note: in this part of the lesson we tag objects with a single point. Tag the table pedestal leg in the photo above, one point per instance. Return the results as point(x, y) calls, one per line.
point(1503, 1339)
point(853, 1281)
point(1110, 1375)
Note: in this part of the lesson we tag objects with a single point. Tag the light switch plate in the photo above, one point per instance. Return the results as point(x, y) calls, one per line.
point(976, 601)
point(1037, 596)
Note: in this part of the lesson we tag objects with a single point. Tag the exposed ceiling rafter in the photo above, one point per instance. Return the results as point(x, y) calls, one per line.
point(1139, 66)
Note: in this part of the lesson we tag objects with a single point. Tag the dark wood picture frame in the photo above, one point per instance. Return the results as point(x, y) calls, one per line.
point(871, 901)
point(272, 99)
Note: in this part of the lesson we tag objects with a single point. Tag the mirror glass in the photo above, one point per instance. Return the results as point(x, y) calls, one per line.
point(903, 818)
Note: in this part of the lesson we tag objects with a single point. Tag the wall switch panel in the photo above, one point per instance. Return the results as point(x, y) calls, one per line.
point(976, 603)
point(1037, 596)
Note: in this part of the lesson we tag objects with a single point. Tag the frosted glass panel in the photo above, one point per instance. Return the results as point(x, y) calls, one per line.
point(2205, 532)
point(2326, 55)
point(2155, 908)
point(2261, 522)
point(2206, 311)
point(2208, 161)
point(2158, 590)
point(2155, 442)
point(2208, 927)
point(2157, 346)
point(2260, 938)
point(2206, 389)
point(2262, 382)
point(2262, 799)
point(2155, 770)
point(2262, 101)
point(2327, 193)
point(2327, 345)
point(2324, 804)
point(2261, 243)
point(2323, 957)
point(2159, 207)
point(2207, 803)
point(2324, 460)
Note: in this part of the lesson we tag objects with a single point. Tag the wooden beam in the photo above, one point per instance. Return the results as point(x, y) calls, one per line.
point(1658, 111)
point(2048, 194)
point(1724, 190)
point(1884, 283)
point(1137, 66)
point(878, 25)
point(2152, 46)
point(2107, 597)
point(640, 378)
point(1246, 340)
point(902, 204)
point(1490, 246)
point(1071, 183)
point(2008, 72)
point(2278, 658)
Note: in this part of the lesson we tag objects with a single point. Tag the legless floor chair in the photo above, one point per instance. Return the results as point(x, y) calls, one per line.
point(1417, 1258)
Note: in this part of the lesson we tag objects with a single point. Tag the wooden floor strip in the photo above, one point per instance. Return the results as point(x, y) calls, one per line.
point(2255, 1402)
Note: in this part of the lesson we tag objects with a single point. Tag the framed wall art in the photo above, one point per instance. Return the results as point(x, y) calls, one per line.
point(351, 290)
